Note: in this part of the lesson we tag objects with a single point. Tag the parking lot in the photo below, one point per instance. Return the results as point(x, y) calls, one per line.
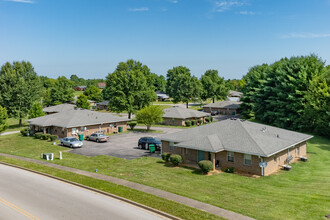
point(121, 145)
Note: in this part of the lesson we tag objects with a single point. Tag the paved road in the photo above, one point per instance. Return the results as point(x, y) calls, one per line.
point(25, 195)
point(121, 145)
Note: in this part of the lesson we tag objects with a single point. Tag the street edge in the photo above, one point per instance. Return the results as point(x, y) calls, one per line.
point(164, 214)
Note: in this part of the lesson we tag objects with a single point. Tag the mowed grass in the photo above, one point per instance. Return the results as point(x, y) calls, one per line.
point(149, 200)
point(302, 193)
point(13, 124)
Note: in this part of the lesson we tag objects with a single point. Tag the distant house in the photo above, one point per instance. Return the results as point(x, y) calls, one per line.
point(223, 107)
point(234, 96)
point(101, 85)
point(80, 88)
point(178, 116)
point(247, 147)
point(92, 103)
point(162, 96)
point(59, 108)
point(102, 105)
point(70, 123)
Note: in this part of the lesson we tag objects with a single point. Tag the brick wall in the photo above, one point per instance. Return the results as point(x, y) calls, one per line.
point(275, 162)
point(180, 122)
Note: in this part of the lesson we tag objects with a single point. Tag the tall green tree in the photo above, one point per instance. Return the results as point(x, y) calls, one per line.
point(150, 115)
point(181, 86)
point(159, 82)
point(3, 118)
point(254, 79)
point(213, 86)
point(82, 102)
point(129, 88)
point(61, 91)
point(36, 110)
point(20, 87)
point(93, 93)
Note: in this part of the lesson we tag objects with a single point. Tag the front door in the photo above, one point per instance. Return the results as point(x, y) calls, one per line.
point(200, 155)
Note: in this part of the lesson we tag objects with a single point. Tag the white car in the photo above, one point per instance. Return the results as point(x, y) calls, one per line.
point(71, 142)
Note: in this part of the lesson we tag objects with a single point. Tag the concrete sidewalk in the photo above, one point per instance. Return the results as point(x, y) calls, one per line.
point(147, 189)
point(10, 132)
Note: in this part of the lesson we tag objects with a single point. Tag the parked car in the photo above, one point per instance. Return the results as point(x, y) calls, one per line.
point(71, 142)
point(214, 113)
point(144, 143)
point(98, 137)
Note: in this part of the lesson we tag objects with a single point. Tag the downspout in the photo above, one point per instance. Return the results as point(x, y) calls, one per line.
point(262, 168)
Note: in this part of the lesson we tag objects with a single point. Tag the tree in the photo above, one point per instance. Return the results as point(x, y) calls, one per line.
point(129, 88)
point(150, 115)
point(254, 82)
point(82, 102)
point(181, 86)
point(20, 87)
point(61, 91)
point(159, 82)
point(36, 110)
point(93, 93)
point(3, 118)
point(213, 86)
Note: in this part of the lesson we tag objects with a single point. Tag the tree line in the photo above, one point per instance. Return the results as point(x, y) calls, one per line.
point(292, 93)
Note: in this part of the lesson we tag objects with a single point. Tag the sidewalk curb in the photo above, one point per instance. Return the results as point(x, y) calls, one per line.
point(97, 191)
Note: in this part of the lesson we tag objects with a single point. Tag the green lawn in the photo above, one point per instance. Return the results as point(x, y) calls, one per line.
point(302, 193)
point(13, 124)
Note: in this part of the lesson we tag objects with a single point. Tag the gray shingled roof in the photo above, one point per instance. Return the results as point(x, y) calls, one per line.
point(224, 104)
point(182, 113)
point(103, 103)
point(59, 108)
point(235, 93)
point(237, 136)
point(76, 118)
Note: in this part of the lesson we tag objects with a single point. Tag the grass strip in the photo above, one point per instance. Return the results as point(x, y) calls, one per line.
point(173, 208)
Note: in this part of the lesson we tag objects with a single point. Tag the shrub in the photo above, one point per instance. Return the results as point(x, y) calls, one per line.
point(43, 137)
point(207, 119)
point(193, 122)
point(131, 125)
point(175, 159)
point(200, 121)
point(230, 170)
point(53, 137)
point(205, 165)
point(166, 156)
point(211, 119)
point(38, 135)
point(47, 136)
point(25, 132)
point(188, 123)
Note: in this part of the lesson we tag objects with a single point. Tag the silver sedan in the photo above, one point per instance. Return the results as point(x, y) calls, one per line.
point(71, 142)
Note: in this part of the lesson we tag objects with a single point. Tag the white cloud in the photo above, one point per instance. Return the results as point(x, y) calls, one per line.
point(304, 35)
point(139, 9)
point(247, 13)
point(21, 1)
point(174, 1)
point(224, 5)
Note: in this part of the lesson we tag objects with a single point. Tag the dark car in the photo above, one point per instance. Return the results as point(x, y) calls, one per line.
point(144, 143)
point(214, 113)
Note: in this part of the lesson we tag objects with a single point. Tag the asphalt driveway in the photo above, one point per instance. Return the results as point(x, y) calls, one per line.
point(121, 145)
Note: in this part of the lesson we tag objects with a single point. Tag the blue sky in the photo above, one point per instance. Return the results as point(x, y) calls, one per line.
point(90, 37)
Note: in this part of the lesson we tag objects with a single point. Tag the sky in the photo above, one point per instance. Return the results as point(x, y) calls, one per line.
point(90, 37)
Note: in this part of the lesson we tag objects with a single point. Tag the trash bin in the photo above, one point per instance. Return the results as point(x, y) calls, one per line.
point(81, 137)
point(152, 148)
point(120, 129)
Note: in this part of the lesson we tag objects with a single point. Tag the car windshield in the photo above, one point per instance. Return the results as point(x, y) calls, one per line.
point(73, 139)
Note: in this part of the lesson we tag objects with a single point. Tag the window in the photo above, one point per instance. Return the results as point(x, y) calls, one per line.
point(186, 150)
point(247, 159)
point(230, 156)
point(74, 130)
point(171, 146)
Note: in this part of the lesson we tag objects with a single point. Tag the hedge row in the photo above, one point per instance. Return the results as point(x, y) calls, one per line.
point(45, 136)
